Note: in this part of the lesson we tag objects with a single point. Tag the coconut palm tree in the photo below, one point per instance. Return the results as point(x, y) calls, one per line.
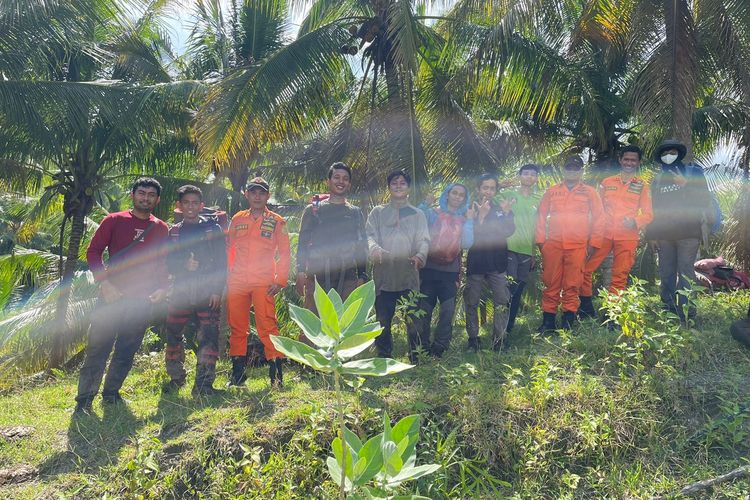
point(362, 82)
point(59, 121)
point(595, 74)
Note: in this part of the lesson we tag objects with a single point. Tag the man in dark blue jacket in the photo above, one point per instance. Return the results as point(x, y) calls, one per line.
point(197, 262)
point(487, 261)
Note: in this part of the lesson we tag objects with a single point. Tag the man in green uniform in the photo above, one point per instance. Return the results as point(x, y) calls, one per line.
point(521, 242)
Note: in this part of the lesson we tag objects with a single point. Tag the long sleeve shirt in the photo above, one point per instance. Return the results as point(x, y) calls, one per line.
point(136, 248)
point(259, 252)
point(621, 200)
point(206, 242)
point(402, 233)
point(679, 210)
point(332, 237)
point(573, 216)
point(489, 251)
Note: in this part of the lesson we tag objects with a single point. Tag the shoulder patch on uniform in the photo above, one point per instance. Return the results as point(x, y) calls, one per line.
point(241, 227)
point(267, 226)
point(635, 187)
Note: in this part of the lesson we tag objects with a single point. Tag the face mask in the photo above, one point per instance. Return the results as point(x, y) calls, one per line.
point(668, 159)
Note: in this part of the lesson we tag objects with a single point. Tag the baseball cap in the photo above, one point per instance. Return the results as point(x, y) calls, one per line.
point(573, 163)
point(257, 182)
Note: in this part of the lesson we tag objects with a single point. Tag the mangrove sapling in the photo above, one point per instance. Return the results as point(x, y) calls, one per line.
point(340, 331)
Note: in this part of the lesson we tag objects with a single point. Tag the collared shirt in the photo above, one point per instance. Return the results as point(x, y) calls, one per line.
point(572, 216)
point(258, 249)
point(631, 199)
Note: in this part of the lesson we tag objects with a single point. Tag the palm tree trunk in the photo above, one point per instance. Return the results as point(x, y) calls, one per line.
point(682, 40)
point(61, 332)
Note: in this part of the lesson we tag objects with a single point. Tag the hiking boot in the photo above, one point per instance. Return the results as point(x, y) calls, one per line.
point(172, 386)
point(474, 344)
point(84, 407)
point(568, 320)
point(112, 399)
point(238, 377)
point(586, 309)
point(548, 323)
point(437, 351)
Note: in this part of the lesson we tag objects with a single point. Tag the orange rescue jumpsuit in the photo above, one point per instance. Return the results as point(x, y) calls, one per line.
point(568, 221)
point(621, 199)
point(258, 258)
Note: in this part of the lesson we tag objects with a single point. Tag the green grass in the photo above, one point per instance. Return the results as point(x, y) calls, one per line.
point(555, 417)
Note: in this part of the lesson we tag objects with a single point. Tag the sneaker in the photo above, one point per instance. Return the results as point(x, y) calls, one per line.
point(172, 386)
point(112, 399)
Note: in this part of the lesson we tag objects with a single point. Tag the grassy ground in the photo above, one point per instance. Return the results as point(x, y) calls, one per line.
point(583, 415)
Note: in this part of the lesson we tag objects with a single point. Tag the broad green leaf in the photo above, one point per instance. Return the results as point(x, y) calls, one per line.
point(328, 317)
point(352, 440)
point(349, 314)
point(374, 367)
point(406, 434)
point(412, 473)
point(335, 471)
point(351, 346)
point(301, 353)
point(310, 325)
point(372, 452)
point(338, 452)
point(359, 468)
point(338, 304)
point(391, 459)
point(365, 293)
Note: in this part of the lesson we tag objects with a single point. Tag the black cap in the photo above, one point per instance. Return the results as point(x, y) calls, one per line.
point(259, 182)
point(573, 163)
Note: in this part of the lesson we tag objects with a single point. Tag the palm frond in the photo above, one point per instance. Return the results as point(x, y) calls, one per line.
point(280, 97)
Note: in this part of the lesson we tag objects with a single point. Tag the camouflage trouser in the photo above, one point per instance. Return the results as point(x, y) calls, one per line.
point(207, 339)
point(119, 326)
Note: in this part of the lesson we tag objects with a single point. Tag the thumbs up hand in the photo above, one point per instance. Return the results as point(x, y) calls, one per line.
point(192, 264)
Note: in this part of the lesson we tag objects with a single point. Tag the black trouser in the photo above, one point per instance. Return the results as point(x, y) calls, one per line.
point(385, 309)
point(120, 325)
point(207, 338)
point(444, 291)
point(519, 267)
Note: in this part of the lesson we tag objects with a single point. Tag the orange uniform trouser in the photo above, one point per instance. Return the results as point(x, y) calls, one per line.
point(562, 270)
point(239, 301)
point(622, 262)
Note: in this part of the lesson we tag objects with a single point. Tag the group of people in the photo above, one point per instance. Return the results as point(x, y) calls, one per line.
point(415, 254)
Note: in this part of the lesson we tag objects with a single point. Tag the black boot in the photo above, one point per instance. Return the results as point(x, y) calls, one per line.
point(84, 407)
point(474, 344)
point(548, 323)
point(586, 309)
point(238, 377)
point(275, 373)
point(568, 320)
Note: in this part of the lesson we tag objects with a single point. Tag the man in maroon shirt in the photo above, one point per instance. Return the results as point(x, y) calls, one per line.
point(134, 277)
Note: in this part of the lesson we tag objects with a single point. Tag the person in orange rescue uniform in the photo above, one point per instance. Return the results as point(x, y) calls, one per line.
point(570, 219)
point(259, 262)
point(627, 208)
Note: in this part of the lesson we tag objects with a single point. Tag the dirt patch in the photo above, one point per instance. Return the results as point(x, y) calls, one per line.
point(16, 432)
point(17, 474)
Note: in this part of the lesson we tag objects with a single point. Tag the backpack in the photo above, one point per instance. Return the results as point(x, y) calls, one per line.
point(445, 237)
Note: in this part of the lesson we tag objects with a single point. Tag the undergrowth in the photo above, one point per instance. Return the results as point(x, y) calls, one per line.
point(587, 414)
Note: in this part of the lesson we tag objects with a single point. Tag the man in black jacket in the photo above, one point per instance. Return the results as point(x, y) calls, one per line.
point(197, 262)
point(681, 200)
point(487, 260)
point(332, 245)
